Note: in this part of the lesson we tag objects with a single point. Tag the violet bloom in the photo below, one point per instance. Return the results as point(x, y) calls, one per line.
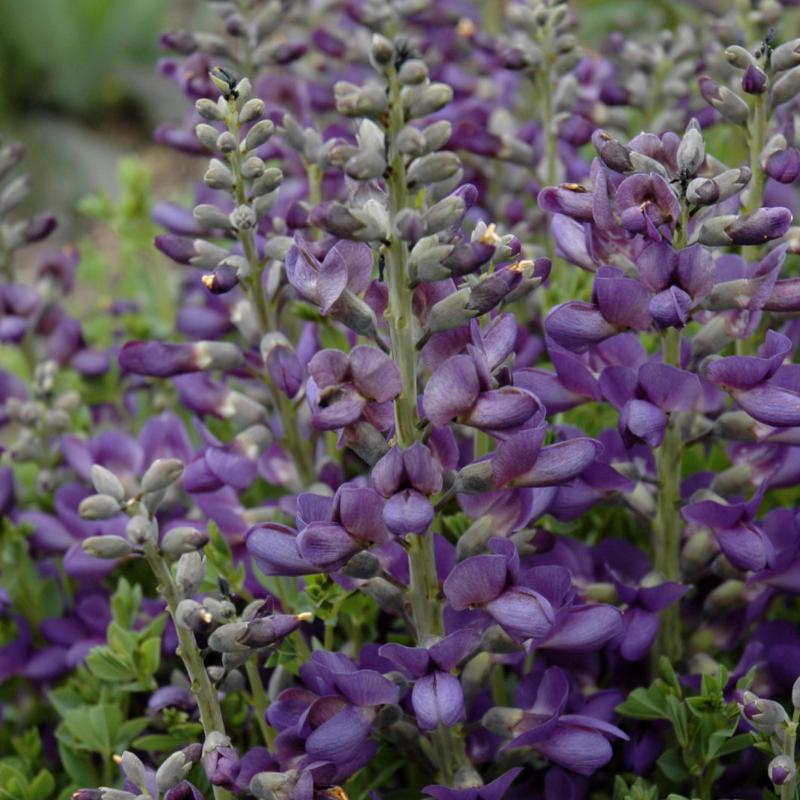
point(437, 697)
point(578, 742)
point(407, 479)
point(333, 530)
point(645, 399)
point(343, 388)
point(347, 267)
point(491, 791)
point(739, 537)
point(751, 382)
point(644, 594)
point(274, 549)
point(646, 204)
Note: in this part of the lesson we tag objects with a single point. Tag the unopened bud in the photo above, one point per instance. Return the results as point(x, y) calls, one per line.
point(106, 482)
point(107, 546)
point(382, 50)
point(259, 134)
point(161, 474)
point(412, 72)
point(691, 150)
point(502, 721)
point(190, 573)
point(786, 87)
point(172, 771)
point(251, 110)
point(209, 110)
point(782, 769)
point(98, 506)
point(194, 617)
point(133, 768)
point(786, 56)
point(211, 217)
point(182, 540)
point(218, 176)
point(420, 101)
point(141, 530)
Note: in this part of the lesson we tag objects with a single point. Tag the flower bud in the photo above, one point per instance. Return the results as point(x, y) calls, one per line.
point(362, 566)
point(421, 101)
point(739, 57)
point(754, 80)
point(141, 530)
point(251, 110)
point(207, 135)
point(502, 721)
point(182, 540)
point(194, 617)
point(190, 573)
point(437, 135)
point(259, 134)
point(786, 56)
point(382, 50)
point(228, 638)
point(98, 506)
point(691, 150)
point(161, 474)
point(729, 104)
point(266, 631)
point(786, 87)
point(106, 482)
point(133, 768)
point(783, 165)
point(211, 217)
point(433, 168)
point(172, 771)
point(781, 770)
point(107, 546)
point(209, 110)
point(766, 716)
point(218, 176)
point(413, 71)
point(271, 785)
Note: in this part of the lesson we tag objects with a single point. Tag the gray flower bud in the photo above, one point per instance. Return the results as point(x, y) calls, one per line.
point(259, 134)
point(365, 165)
point(413, 71)
point(739, 57)
point(782, 769)
point(227, 638)
point(226, 142)
point(443, 214)
point(384, 593)
point(786, 87)
point(437, 135)
point(161, 474)
point(786, 56)
point(211, 217)
point(106, 482)
point(98, 506)
point(209, 110)
point(14, 194)
point(253, 168)
point(207, 135)
point(182, 540)
point(362, 566)
point(451, 312)
point(221, 610)
point(141, 530)
point(133, 768)
point(691, 150)
point(172, 771)
point(269, 181)
point(353, 101)
point(421, 101)
point(108, 793)
point(382, 50)
point(796, 694)
point(476, 478)
point(243, 217)
point(728, 596)
point(107, 546)
point(501, 721)
point(271, 785)
point(218, 176)
point(731, 106)
point(433, 168)
point(190, 573)
point(251, 110)
point(192, 616)
point(474, 539)
point(411, 142)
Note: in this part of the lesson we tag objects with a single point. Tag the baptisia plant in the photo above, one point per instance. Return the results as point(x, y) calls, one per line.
point(466, 466)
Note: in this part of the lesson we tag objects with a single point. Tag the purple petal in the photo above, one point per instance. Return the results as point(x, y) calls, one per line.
point(475, 581)
point(438, 699)
point(451, 390)
point(367, 688)
point(523, 612)
point(326, 545)
point(577, 326)
point(587, 628)
point(340, 738)
point(375, 375)
point(669, 388)
point(408, 512)
point(771, 405)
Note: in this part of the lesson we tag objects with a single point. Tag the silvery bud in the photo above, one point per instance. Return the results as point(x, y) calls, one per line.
point(444, 214)
point(194, 617)
point(408, 224)
point(172, 771)
point(786, 87)
point(209, 110)
point(502, 721)
point(161, 474)
point(725, 598)
point(421, 101)
point(412, 72)
point(226, 142)
point(796, 694)
point(268, 182)
point(786, 56)
point(109, 793)
point(728, 103)
point(221, 610)
point(259, 134)
point(251, 110)
point(362, 566)
point(437, 135)
point(98, 506)
point(365, 165)
point(227, 638)
point(691, 150)
point(474, 539)
point(207, 135)
point(107, 546)
point(766, 716)
point(252, 168)
point(433, 168)
point(133, 768)
point(782, 769)
point(211, 217)
point(382, 50)
point(224, 81)
point(106, 482)
point(218, 176)
point(739, 57)
point(365, 101)
point(243, 217)
point(708, 191)
point(182, 540)
point(190, 573)
point(411, 142)
point(141, 530)
point(451, 312)
point(271, 785)
point(14, 193)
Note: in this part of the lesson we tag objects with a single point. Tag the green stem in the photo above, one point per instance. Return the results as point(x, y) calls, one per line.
point(756, 134)
point(667, 526)
point(425, 603)
point(400, 314)
point(789, 789)
point(202, 688)
point(260, 699)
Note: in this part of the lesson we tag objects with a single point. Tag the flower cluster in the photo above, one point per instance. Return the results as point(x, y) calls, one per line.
point(466, 466)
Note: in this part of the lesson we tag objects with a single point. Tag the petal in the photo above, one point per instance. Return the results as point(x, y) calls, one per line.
point(517, 454)
point(500, 409)
point(771, 405)
point(523, 612)
point(451, 390)
point(367, 687)
point(623, 302)
point(361, 513)
point(340, 738)
point(422, 471)
point(375, 375)
point(408, 512)
point(438, 699)
point(453, 649)
point(669, 388)
point(560, 462)
point(413, 660)
point(577, 749)
point(642, 421)
point(640, 630)
point(326, 545)
point(657, 264)
point(332, 279)
point(274, 549)
point(745, 547)
point(475, 581)
point(577, 326)
point(588, 627)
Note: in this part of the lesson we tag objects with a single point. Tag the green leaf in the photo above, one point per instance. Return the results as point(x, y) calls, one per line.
point(671, 764)
point(680, 723)
point(109, 666)
point(42, 786)
point(645, 704)
point(78, 765)
point(128, 731)
point(733, 745)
